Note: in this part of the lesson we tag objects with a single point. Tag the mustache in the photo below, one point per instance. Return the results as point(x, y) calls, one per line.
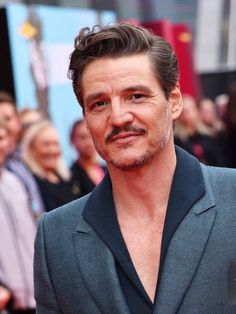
point(126, 128)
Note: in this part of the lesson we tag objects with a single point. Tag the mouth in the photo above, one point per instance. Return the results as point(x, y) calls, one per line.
point(124, 138)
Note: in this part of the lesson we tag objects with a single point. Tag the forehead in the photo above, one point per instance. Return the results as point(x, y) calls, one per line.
point(7, 108)
point(136, 69)
point(47, 133)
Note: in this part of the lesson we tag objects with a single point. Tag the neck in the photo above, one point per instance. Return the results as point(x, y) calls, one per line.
point(51, 176)
point(87, 161)
point(149, 186)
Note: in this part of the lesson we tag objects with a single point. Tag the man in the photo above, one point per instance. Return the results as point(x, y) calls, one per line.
point(14, 162)
point(158, 234)
point(17, 233)
point(86, 169)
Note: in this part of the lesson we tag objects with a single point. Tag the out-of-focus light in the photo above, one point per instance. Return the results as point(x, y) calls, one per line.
point(27, 30)
point(185, 37)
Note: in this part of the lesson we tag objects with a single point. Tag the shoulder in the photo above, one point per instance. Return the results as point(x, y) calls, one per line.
point(219, 175)
point(10, 178)
point(222, 182)
point(66, 215)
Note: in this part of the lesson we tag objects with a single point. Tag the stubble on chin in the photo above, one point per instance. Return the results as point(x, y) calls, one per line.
point(140, 161)
point(143, 160)
point(134, 164)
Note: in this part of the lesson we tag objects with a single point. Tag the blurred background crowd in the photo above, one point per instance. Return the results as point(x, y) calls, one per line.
point(47, 157)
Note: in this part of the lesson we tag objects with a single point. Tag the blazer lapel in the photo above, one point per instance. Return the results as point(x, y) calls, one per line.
point(97, 267)
point(184, 253)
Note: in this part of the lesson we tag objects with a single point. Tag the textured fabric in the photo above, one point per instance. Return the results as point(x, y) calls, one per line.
point(17, 233)
point(75, 271)
point(106, 226)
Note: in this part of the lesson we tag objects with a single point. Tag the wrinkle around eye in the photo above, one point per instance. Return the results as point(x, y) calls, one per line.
point(138, 98)
point(97, 105)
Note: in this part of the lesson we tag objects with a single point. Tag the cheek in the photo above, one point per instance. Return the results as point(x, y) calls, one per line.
point(40, 154)
point(97, 131)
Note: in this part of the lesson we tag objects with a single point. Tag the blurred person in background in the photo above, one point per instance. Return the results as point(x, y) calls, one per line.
point(8, 113)
point(14, 163)
point(28, 117)
point(212, 124)
point(17, 233)
point(221, 102)
point(231, 124)
point(191, 135)
point(87, 169)
point(5, 297)
point(41, 152)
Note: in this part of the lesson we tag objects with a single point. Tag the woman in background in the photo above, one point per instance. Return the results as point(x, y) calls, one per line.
point(42, 153)
point(86, 169)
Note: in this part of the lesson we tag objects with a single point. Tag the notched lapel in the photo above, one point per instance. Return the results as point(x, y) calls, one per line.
point(97, 267)
point(184, 254)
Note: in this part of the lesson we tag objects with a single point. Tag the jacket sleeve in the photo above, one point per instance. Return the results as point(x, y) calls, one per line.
point(46, 301)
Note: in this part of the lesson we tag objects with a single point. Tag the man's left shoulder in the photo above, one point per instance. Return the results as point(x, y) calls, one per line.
point(220, 174)
point(222, 182)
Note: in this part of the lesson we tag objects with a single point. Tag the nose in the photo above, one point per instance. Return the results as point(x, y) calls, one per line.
point(53, 149)
point(120, 114)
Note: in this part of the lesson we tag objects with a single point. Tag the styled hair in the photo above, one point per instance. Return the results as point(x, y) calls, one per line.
point(120, 40)
point(28, 156)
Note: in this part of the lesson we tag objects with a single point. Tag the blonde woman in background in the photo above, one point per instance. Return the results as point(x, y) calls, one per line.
point(41, 151)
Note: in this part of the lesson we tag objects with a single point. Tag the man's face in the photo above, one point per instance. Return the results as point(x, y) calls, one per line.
point(8, 114)
point(126, 110)
point(83, 142)
point(4, 145)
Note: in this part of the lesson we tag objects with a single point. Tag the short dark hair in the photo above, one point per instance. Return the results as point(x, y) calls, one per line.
point(6, 97)
point(119, 40)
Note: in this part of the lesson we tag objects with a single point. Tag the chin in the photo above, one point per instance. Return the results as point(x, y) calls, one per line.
point(132, 164)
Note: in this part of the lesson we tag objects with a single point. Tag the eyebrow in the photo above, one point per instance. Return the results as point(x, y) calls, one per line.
point(94, 96)
point(132, 88)
point(138, 87)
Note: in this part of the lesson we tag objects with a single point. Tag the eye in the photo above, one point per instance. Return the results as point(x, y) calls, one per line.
point(137, 97)
point(97, 105)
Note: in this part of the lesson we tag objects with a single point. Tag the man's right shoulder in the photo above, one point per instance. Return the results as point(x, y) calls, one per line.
point(68, 214)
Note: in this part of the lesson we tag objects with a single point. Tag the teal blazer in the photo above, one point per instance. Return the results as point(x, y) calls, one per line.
point(75, 271)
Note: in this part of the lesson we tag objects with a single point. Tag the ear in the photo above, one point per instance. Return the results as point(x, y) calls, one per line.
point(176, 102)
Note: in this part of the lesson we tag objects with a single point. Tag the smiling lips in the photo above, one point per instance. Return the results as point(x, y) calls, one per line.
point(125, 134)
point(124, 138)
